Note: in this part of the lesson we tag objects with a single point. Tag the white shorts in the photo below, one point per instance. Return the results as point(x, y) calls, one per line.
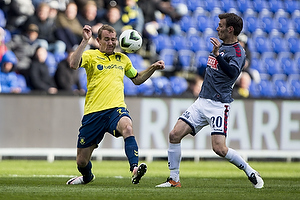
point(205, 112)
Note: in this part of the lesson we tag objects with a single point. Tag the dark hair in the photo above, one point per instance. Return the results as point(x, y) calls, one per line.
point(233, 20)
point(106, 27)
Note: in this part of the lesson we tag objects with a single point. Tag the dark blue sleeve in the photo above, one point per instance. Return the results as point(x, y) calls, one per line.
point(230, 71)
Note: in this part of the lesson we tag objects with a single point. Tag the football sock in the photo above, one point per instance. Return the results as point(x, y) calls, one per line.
point(86, 172)
point(233, 157)
point(174, 158)
point(132, 152)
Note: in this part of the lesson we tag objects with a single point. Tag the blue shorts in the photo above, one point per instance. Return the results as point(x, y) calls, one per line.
point(95, 125)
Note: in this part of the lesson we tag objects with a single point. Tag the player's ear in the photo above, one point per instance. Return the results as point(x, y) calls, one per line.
point(230, 29)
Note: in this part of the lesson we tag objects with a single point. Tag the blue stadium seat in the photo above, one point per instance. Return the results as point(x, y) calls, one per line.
point(193, 5)
point(187, 22)
point(197, 43)
point(296, 20)
point(170, 57)
point(162, 86)
point(254, 90)
point(179, 42)
point(130, 89)
point(285, 59)
point(275, 5)
point(137, 61)
point(293, 40)
point(283, 89)
point(268, 60)
point(162, 41)
point(51, 63)
point(207, 34)
point(291, 5)
point(203, 22)
point(212, 4)
point(179, 84)
point(294, 81)
point(262, 42)
point(258, 65)
point(147, 88)
point(297, 59)
point(226, 5)
point(214, 15)
point(185, 59)
point(243, 5)
point(279, 43)
point(259, 5)
point(266, 87)
point(267, 22)
point(284, 22)
point(251, 22)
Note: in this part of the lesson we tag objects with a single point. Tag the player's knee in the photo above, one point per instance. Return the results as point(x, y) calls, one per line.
point(174, 137)
point(127, 131)
point(82, 163)
point(220, 150)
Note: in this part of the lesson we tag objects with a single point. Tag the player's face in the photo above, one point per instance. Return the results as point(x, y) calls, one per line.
point(108, 42)
point(222, 30)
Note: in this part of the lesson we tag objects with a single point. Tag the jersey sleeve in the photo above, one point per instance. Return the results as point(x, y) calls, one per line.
point(130, 71)
point(84, 59)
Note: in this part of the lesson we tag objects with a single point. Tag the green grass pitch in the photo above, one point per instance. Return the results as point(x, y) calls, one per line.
point(23, 179)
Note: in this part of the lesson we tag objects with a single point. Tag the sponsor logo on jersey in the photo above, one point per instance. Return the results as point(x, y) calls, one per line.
point(212, 62)
point(113, 66)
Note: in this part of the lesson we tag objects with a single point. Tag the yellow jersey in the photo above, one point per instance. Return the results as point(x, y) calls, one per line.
point(105, 73)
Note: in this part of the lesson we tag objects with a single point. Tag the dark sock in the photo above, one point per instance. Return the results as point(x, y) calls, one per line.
point(86, 172)
point(131, 150)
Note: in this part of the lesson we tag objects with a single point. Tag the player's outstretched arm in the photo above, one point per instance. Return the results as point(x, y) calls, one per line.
point(76, 56)
point(147, 73)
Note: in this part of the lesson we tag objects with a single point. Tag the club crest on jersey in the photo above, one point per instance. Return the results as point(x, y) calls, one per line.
point(212, 62)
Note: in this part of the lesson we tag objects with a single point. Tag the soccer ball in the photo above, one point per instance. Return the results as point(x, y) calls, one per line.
point(130, 41)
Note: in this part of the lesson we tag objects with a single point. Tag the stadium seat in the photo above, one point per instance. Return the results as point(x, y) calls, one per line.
point(243, 5)
point(170, 57)
point(267, 22)
point(254, 90)
point(214, 15)
point(162, 41)
point(137, 61)
point(147, 88)
point(179, 42)
point(285, 59)
point(194, 5)
point(162, 86)
point(279, 44)
point(262, 42)
point(296, 20)
point(297, 59)
point(187, 22)
point(210, 5)
point(197, 43)
point(268, 60)
point(294, 81)
point(130, 88)
point(266, 87)
point(203, 21)
point(275, 5)
point(251, 21)
point(291, 5)
point(284, 22)
point(185, 59)
point(283, 89)
point(293, 40)
point(226, 5)
point(179, 84)
point(259, 5)
point(207, 34)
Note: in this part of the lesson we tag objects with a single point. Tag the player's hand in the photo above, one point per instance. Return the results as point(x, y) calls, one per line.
point(159, 65)
point(87, 32)
point(216, 47)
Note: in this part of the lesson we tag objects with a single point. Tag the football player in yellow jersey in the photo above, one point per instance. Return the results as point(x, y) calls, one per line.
point(105, 109)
